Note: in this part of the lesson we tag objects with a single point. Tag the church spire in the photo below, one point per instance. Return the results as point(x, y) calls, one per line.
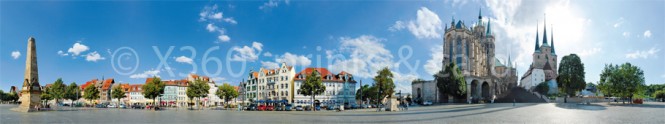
point(552, 40)
point(480, 17)
point(489, 28)
point(545, 32)
point(510, 63)
point(537, 44)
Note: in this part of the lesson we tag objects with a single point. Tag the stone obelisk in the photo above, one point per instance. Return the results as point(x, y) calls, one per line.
point(31, 90)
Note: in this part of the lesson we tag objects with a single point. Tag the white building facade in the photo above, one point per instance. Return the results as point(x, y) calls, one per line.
point(340, 88)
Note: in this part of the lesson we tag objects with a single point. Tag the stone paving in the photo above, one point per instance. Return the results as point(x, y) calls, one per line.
point(600, 113)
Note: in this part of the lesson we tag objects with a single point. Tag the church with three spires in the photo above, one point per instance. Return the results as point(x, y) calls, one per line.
point(543, 69)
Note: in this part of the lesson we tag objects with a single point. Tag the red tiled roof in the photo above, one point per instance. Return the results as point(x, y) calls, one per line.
point(256, 74)
point(91, 82)
point(170, 83)
point(107, 83)
point(183, 83)
point(324, 73)
point(194, 76)
point(148, 80)
point(136, 88)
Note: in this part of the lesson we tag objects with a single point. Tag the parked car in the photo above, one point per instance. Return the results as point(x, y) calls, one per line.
point(426, 103)
point(288, 107)
point(270, 108)
point(100, 106)
point(252, 107)
point(279, 108)
point(123, 106)
point(262, 107)
point(138, 107)
point(308, 108)
point(330, 107)
point(111, 106)
point(299, 108)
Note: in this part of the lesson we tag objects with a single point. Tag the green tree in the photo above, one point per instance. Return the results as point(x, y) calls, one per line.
point(312, 86)
point(153, 89)
point(91, 93)
point(118, 93)
point(226, 92)
point(362, 92)
point(451, 81)
point(623, 80)
point(3, 96)
point(384, 83)
point(198, 89)
point(72, 92)
point(542, 88)
point(653, 88)
point(57, 90)
point(45, 96)
point(660, 95)
point(571, 75)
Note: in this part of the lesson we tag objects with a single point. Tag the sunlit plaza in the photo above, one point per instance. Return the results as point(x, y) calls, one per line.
point(601, 113)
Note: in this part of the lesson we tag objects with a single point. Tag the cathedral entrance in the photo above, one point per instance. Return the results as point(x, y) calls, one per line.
point(486, 91)
point(474, 89)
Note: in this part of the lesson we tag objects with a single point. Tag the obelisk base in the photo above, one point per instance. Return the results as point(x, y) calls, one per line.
point(30, 101)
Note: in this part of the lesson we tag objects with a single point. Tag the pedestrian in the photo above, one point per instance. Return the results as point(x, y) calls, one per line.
point(513, 102)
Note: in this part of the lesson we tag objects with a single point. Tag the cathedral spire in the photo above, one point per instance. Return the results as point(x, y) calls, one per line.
point(545, 32)
point(489, 30)
point(537, 44)
point(552, 40)
point(480, 17)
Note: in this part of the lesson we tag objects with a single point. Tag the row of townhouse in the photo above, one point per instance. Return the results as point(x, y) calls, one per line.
point(175, 92)
point(282, 84)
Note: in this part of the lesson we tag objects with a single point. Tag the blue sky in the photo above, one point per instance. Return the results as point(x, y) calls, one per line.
point(79, 41)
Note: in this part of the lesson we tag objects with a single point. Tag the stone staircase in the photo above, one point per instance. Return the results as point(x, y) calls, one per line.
point(520, 95)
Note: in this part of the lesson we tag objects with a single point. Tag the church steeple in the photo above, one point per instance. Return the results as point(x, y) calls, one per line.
point(537, 41)
point(489, 29)
point(545, 33)
point(554, 53)
point(480, 17)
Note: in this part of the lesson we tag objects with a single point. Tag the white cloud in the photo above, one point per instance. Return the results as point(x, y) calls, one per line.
point(269, 64)
point(643, 54)
point(367, 56)
point(426, 25)
point(270, 4)
point(231, 20)
point(61, 53)
point(647, 34)
point(218, 79)
point(211, 27)
point(77, 49)
point(212, 15)
point(93, 57)
point(589, 52)
point(626, 34)
point(289, 59)
point(146, 74)
point(16, 54)
point(258, 46)
point(514, 27)
point(217, 15)
point(267, 54)
point(210, 12)
point(292, 59)
point(457, 3)
point(435, 64)
point(619, 22)
point(183, 59)
point(224, 38)
point(247, 53)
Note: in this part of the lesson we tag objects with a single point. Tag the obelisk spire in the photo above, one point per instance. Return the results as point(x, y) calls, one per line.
point(31, 77)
